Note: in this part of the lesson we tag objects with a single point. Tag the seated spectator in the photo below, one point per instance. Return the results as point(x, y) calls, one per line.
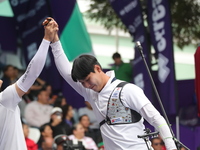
point(60, 101)
point(79, 135)
point(58, 126)
point(46, 140)
point(31, 145)
point(38, 112)
point(94, 124)
point(89, 112)
point(85, 122)
point(68, 115)
point(157, 144)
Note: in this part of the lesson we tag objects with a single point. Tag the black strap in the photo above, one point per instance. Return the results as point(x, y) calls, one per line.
point(135, 115)
point(121, 84)
point(113, 79)
point(102, 122)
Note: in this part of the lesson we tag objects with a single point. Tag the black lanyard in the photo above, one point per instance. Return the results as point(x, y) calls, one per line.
point(113, 80)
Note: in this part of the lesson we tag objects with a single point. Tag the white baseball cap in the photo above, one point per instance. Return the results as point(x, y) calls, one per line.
point(56, 109)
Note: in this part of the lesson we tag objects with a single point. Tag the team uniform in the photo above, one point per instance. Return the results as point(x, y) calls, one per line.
point(11, 133)
point(11, 137)
point(120, 136)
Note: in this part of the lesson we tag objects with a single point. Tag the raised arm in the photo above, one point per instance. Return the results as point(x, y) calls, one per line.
point(37, 63)
point(63, 65)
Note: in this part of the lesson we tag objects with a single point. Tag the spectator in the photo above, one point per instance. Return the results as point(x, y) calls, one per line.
point(79, 135)
point(31, 95)
point(58, 126)
point(38, 112)
point(123, 71)
point(157, 143)
point(85, 122)
point(94, 125)
point(31, 145)
point(60, 101)
point(46, 140)
point(87, 110)
point(68, 115)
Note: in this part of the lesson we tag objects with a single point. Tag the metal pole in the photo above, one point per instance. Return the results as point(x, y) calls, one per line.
point(177, 128)
point(178, 143)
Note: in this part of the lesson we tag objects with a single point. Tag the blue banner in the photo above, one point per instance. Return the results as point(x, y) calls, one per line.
point(28, 16)
point(131, 15)
point(8, 38)
point(161, 37)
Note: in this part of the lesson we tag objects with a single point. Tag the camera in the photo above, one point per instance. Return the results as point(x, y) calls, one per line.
point(61, 142)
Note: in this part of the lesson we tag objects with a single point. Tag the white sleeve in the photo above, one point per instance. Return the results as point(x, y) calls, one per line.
point(9, 97)
point(133, 97)
point(34, 68)
point(155, 119)
point(64, 67)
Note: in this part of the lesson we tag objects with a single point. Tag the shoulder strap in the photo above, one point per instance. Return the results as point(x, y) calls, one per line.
point(121, 84)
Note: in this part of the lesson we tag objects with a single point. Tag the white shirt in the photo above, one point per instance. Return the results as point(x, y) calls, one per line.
point(11, 133)
point(37, 114)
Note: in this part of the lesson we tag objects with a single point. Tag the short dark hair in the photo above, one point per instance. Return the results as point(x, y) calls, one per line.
point(116, 55)
point(83, 66)
point(7, 67)
point(42, 127)
point(40, 91)
point(81, 117)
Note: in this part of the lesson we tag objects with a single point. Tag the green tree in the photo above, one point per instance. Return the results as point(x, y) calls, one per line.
point(185, 15)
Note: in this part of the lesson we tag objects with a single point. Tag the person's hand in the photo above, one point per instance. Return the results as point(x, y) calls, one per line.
point(56, 38)
point(51, 29)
